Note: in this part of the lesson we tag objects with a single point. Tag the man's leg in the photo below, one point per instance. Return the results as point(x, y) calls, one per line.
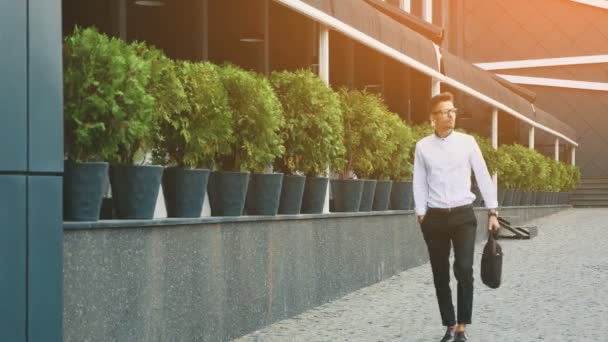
point(434, 230)
point(464, 226)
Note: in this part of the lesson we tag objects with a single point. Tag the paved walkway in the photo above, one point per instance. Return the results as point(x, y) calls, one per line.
point(555, 288)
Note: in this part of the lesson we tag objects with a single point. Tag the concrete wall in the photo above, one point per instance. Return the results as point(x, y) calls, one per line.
point(216, 279)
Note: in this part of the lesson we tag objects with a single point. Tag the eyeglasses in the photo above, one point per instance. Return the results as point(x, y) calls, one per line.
point(446, 111)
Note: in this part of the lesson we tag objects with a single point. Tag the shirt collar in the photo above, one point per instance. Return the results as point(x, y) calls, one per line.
point(443, 138)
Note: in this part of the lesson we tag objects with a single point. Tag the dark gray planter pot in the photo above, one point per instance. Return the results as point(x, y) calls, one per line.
point(107, 209)
point(529, 200)
point(523, 200)
point(555, 198)
point(547, 199)
point(227, 191)
point(346, 194)
point(382, 195)
point(516, 197)
point(264, 194)
point(500, 196)
point(508, 198)
point(367, 198)
point(315, 190)
point(83, 189)
point(532, 200)
point(135, 190)
point(402, 196)
point(564, 198)
point(292, 192)
point(540, 198)
point(184, 191)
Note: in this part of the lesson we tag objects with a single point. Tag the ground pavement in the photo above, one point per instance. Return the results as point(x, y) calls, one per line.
point(555, 288)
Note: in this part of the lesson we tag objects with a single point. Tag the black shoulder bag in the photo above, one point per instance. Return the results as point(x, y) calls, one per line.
point(491, 262)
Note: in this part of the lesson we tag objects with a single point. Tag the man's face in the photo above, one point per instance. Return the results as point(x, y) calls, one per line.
point(444, 115)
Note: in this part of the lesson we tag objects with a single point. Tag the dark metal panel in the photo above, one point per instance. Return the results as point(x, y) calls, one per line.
point(363, 17)
point(485, 83)
point(45, 259)
point(45, 87)
point(12, 258)
point(430, 31)
point(13, 75)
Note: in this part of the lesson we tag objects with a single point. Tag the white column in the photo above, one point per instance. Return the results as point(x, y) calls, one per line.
point(436, 84)
point(406, 5)
point(324, 53)
point(573, 156)
point(427, 10)
point(557, 149)
point(435, 87)
point(324, 75)
point(495, 139)
point(531, 138)
point(495, 128)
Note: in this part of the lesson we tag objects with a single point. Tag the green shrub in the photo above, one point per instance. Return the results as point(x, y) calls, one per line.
point(193, 134)
point(399, 165)
point(573, 178)
point(365, 132)
point(313, 130)
point(108, 109)
point(507, 168)
point(257, 120)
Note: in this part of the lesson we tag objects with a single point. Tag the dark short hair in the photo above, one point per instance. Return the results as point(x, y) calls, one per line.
point(443, 97)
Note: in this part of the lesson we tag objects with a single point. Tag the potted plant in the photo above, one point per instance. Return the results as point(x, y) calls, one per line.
point(520, 175)
point(135, 184)
point(312, 136)
point(508, 172)
point(257, 119)
point(398, 169)
point(401, 191)
point(195, 125)
point(365, 132)
point(573, 180)
point(537, 176)
point(108, 118)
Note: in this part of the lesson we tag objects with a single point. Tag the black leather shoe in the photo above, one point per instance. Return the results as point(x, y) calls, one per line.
point(461, 337)
point(449, 336)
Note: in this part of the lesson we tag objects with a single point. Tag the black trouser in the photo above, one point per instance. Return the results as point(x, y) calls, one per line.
point(439, 229)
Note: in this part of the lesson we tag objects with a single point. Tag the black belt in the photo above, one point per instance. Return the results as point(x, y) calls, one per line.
point(448, 210)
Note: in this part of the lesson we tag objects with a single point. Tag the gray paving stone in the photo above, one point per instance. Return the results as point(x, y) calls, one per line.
point(555, 288)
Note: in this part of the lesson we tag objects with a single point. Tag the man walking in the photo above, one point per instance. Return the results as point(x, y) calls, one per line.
point(442, 193)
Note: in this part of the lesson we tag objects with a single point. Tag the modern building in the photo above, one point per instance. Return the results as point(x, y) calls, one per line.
point(148, 282)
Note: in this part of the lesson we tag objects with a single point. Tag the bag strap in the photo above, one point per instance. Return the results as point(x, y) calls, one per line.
point(492, 240)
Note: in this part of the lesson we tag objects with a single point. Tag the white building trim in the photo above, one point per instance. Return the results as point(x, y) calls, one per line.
point(406, 5)
point(544, 62)
point(555, 82)
point(595, 3)
point(386, 50)
point(427, 10)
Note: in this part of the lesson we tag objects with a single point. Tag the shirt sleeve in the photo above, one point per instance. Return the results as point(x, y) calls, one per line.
point(484, 181)
point(420, 185)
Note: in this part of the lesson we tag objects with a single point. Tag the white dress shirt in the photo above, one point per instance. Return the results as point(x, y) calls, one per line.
point(442, 173)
